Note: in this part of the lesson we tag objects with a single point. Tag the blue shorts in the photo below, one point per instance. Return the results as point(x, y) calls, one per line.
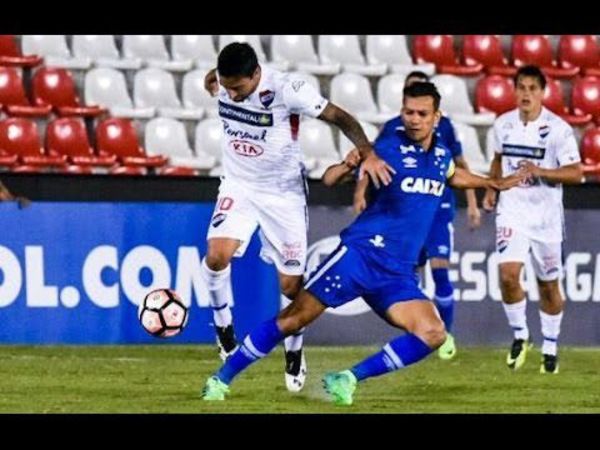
point(439, 241)
point(353, 271)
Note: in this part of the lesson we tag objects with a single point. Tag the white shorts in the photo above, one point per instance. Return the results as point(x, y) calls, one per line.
point(282, 218)
point(546, 257)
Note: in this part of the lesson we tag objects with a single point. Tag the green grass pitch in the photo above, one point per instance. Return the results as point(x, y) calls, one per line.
point(168, 379)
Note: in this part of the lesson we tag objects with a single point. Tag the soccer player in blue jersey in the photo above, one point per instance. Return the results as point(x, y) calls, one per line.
point(439, 242)
point(377, 255)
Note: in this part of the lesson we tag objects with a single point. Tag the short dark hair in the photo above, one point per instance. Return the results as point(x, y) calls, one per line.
point(237, 59)
point(424, 89)
point(416, 74)
point(531, 71)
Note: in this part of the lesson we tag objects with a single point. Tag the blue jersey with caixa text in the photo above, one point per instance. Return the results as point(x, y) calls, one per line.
point(398, 218)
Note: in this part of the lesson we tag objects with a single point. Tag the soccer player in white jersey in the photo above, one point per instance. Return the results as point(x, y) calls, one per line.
point(264, 183)
point(530, 217)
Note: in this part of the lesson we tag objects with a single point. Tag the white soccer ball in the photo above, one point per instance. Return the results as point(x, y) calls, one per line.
point(162, 313)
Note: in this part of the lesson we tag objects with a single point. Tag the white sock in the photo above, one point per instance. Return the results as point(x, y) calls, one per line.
point(550, 331)
point(517, 319)
point(293, 342)
point(219, 288)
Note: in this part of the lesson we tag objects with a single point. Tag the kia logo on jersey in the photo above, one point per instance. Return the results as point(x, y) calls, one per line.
point(266, 98)
point(246, 148)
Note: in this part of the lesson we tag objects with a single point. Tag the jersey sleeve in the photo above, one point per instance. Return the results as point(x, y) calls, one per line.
point(301, 97)
point(567, 151)
point(495, 141)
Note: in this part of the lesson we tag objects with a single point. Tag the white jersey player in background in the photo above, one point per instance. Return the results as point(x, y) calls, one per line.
point(264, 184)
point(530, 217)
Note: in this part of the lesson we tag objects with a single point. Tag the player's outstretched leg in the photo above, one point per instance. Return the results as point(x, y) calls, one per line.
point(425, 334)
point(444, 301)
point(295, 360)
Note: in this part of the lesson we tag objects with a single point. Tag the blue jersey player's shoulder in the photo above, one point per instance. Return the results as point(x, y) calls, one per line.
point(447, 135)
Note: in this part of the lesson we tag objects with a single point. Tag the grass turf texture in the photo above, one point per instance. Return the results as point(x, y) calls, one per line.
point(168, 379)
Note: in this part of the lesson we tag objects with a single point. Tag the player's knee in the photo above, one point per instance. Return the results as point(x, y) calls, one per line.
point(432, 332)
point(290, 323)
point(509, 280)
point(549, 292)
point(217, 260)
point(290, 289)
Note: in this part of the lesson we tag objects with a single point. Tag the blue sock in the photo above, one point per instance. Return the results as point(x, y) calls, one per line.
point(400, 352)
point(444, 296)
point(256, 345)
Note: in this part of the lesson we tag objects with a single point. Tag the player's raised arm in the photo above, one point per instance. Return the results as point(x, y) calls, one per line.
point(569, 174)
point(378, 169)
point(211, 83)
point(341, 172)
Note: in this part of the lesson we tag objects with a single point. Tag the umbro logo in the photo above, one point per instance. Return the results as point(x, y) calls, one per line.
point(377, 241)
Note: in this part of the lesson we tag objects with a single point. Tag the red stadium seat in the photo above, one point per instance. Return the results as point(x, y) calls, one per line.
point(496, 94)
point(580, 51)
point(55, 87)
point(585, 97)
point(128, 170)
point(536, 49)
point(117, 136)
point(68, 136)
point(20, 137)
point(13, 98)
point(486, 49)
point(590, 150)
point(554, 101)
point(439, 50)
point(174, 171)
point(10, 54)
point(77, 170)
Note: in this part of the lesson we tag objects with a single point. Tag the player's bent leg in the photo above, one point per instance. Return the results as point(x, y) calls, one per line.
point(262, 340)
point(216, 271)
point(444, 301)
point(551, 314)
point(425, 333)
point(295, 359)
point(514, 303)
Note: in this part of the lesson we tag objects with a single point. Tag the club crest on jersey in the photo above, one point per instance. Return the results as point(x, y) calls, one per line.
point(409, 162)
point(544, 130)
point(266, 98)
point(418, 185)
point(246, 148)
point(439, 151)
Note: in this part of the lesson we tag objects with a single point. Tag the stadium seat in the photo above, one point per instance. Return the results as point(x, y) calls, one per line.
point(197, 48)
point(496, 94)
point(195, 97)
point(392, 50)
point(176, 171)
point(486, 49)
point(439, 50)
point(346, 145)
point(580, 51)
point(554, 101)
point(295, 51)
point(55, 87)
point(152, 50)
point(155, 88)
point(207, 140)
point(117, 136)
point(590, 150)
point(13, 98)
point(20, 136)
point(107, 87)
point(467, 135)
point(68, 136)
point(456, 103)
point(318, 147)
point(129, 170)
point(536, 49)
point(344, 50)
point(352, 92)
point(53, 48)
point(585, 97)
point(102, 50)
point(390, 94)
point(166, 136)
point(11, 56)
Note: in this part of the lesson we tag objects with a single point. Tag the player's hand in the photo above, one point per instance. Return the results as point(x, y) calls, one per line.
point(474, 216)
point(377, 169)
point(352, 159)
point(513, 180)
point(530, 170)
point(489, 200)
point(211, 84)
